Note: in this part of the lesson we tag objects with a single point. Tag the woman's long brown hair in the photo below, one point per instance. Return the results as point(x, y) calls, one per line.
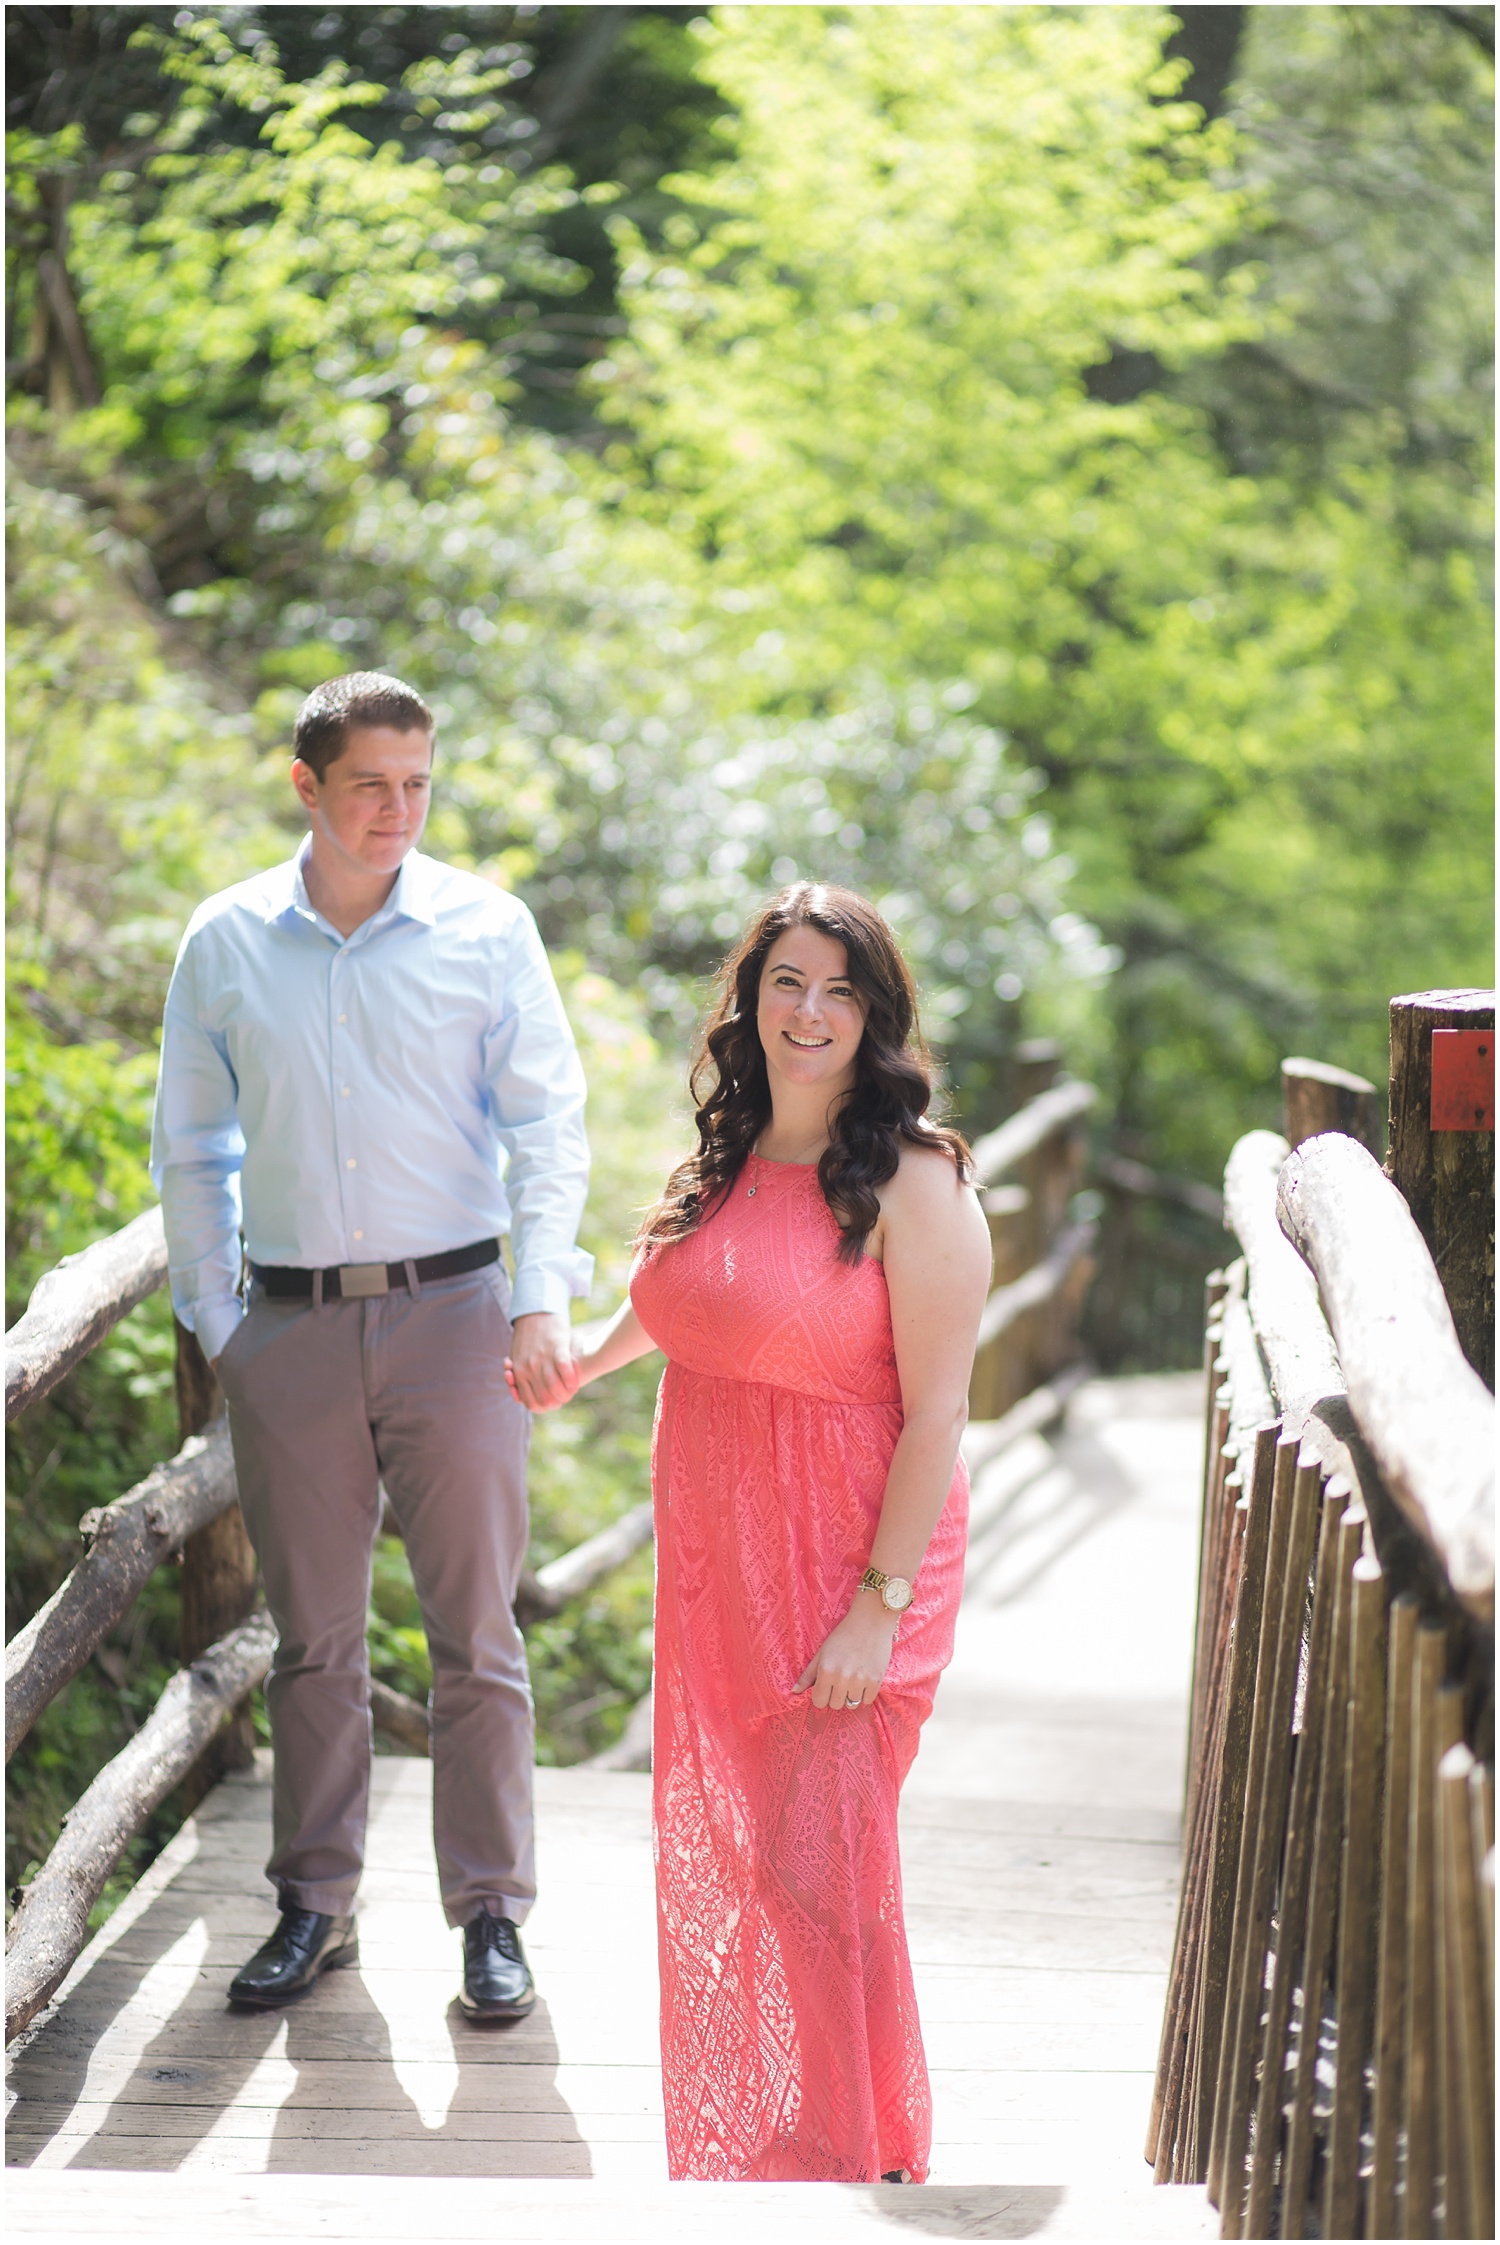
point(732, 1093)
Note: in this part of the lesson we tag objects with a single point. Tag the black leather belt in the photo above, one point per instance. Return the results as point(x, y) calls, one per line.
point(351, 1281)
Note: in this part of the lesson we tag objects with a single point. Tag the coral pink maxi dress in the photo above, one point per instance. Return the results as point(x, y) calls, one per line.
point(791, 2048)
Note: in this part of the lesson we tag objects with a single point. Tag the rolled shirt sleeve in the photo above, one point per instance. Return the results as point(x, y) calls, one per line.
point(534, 1080)
point(197, 1148)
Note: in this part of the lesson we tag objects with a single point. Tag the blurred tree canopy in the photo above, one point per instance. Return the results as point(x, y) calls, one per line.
point(1029, 462)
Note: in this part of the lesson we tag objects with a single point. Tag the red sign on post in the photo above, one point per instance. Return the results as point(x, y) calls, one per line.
point(1463, 1079)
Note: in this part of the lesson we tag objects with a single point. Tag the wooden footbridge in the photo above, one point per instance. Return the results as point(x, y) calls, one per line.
point(1050, 1924)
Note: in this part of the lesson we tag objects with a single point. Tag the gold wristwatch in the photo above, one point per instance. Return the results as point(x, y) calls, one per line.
point(896, 1592)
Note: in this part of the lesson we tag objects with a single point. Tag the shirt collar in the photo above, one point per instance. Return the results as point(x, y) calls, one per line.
point(410, 899)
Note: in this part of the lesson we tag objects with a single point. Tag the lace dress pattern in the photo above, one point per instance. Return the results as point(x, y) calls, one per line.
point(791, 2047)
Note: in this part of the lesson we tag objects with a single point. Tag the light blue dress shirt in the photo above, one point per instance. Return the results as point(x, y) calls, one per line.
point(364, 1099)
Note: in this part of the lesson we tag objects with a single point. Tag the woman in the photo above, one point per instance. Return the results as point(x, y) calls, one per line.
point(815, 1273)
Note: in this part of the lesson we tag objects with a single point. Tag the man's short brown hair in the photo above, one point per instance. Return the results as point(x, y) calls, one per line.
point(365, 697)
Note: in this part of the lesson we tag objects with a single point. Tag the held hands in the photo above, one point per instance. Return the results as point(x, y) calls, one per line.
point(851, 1667)
point(542, 1371)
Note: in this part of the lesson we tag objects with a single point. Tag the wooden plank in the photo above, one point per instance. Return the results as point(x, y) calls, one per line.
point(1276, 1457)
point(1296, 1868)
point(1470, 2210)
point(1419, 2073)
point(1281, 1644)
point(1448, 1732)
point(1390, 1999)
point(1229, 1811)
point(1251, 1402)
point(1179, 2062)
point(1331, 1721)
point(1357, 1928)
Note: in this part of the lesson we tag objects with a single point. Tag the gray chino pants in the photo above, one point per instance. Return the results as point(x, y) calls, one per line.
point(323, 1403)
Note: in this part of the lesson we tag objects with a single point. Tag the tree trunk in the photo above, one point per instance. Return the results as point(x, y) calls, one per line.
point(1447, 1175)
point(1208, 40)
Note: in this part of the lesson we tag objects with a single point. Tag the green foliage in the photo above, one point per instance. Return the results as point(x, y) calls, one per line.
point(134, 785)
point(871, 376)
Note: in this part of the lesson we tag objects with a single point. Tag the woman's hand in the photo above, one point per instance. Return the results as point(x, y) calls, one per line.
point(545, 1371)
point(851, 1667)
point(548, 1371)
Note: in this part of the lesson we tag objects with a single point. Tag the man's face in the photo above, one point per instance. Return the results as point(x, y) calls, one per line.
point(371, 808)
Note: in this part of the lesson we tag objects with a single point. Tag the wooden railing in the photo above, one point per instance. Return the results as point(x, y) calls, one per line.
point(1326, 2061)
point(1029, 1172)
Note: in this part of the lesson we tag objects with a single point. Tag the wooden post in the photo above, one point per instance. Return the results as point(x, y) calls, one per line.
point(1315, 1098)
point(1419, 2084)
point(1034, 1067)
point(1286, 1600)
point(1230, 1810)
point(1296, 1869)
point(1449, 1728)
point(1276, 1459)
point(1169, 2143)
point(1322, 1901)
point(1390, 1994)
point(1354, 1983)
point(218, 1576)
point(1471, 2185)
point(1447, 1175)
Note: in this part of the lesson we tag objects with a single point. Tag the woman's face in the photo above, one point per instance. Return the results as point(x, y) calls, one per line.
point(809, 1016)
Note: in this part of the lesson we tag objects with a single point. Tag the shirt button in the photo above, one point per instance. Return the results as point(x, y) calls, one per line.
point(359, 1235)
point(343, 1017)
point(343, 1091)
point(351, 1163)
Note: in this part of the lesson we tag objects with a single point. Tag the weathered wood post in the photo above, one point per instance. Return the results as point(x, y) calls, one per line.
point(1315, 1098)
point(1442, 1156)
point(218, 1575)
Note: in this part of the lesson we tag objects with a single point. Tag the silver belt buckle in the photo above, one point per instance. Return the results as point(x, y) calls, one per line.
point(356, 1280)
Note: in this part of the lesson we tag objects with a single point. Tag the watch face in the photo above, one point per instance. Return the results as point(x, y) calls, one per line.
point(897, 1594)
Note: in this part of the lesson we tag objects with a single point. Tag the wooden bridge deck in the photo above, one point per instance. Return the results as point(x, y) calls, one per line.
point(1040, 1837)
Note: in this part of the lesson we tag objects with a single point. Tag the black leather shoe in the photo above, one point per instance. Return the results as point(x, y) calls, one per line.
point(497, 1981)
point(305, 1943)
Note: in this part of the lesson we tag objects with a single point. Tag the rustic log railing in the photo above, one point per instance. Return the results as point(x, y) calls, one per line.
point(1029, 1171)
point(1326, 2061)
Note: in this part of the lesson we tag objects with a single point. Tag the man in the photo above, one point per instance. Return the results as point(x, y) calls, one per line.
point(366, 1066)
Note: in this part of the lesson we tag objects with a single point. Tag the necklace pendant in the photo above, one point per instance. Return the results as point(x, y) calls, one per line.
point(750, 1192)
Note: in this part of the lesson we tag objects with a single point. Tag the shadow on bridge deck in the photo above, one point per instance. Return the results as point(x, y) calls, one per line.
point(1040, 1829)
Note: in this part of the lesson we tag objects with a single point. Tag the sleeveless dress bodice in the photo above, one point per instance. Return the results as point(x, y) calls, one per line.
point(791, 2048)
point(759, 1294)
